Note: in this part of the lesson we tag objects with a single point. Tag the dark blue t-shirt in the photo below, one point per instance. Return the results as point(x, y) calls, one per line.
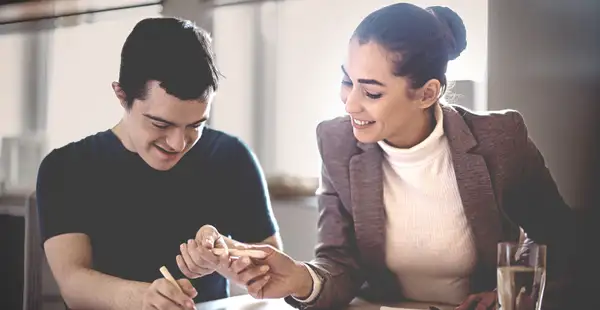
point(136, 216)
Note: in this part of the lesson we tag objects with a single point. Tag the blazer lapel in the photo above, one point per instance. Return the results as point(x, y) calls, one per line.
point(366, 184)
point(475, 187)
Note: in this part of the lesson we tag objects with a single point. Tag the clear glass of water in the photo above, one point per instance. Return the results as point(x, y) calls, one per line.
point(521, 276)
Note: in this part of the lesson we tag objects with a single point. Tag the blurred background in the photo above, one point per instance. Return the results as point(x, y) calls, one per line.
point(281, 61)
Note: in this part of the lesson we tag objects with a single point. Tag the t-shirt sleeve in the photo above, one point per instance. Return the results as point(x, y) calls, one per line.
point(252, 219)
point(59, 195)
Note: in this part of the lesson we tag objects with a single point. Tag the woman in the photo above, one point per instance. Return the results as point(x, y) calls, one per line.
point(415, 194)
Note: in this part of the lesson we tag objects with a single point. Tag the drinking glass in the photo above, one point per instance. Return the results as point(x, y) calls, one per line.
point(521, 275)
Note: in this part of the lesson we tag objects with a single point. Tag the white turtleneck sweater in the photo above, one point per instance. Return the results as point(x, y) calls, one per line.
point(429, 245)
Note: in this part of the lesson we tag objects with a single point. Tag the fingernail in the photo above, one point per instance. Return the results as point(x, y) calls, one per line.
point(190, 242)
point(264, 268)
point(189, 304)
point(182, 246)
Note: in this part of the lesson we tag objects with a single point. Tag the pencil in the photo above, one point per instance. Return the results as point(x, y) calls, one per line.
point(257, 254)
point(165, 272)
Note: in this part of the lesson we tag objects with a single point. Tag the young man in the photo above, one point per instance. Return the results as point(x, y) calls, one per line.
point(116, 206)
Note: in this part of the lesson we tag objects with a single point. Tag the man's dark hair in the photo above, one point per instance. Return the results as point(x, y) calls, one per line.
point(174, 52)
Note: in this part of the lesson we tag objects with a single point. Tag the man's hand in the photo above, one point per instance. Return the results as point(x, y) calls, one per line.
point(197, 258)
point(481, 301)
point(284, 276)
point(163, 295)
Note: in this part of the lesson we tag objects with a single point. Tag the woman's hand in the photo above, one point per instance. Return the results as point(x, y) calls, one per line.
point(272, 274)
point(481, 301)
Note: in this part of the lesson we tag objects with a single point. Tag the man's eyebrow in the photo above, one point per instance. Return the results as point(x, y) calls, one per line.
point(364, 81)
point(162, 120)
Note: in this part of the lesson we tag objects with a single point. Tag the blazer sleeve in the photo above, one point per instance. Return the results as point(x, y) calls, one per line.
point(336, 260)
point(546, 219)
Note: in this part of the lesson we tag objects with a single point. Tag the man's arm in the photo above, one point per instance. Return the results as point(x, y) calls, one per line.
point(254, 222)
point(70, 259)
point(64, 226)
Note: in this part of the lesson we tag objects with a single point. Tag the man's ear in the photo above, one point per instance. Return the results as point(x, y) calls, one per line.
point(120, 94)
point(429, 93)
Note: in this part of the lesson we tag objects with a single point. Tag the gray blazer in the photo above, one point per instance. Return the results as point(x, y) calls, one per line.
point(503, 182)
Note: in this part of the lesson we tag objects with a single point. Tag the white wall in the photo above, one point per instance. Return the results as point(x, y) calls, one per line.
point(12, 54)
point(302, 45)
point(308, 39)
point(84, 61)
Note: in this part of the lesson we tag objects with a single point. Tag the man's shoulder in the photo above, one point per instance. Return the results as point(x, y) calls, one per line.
point(77, 153)
point(217, 144)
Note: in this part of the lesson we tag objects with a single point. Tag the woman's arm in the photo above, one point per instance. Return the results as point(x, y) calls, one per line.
point(336, 265)
point(537, 206)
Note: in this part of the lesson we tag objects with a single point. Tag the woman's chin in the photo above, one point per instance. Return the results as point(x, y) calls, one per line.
point(365, 137)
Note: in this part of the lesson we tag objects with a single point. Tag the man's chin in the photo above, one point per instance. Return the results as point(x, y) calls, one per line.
point(160, 164)
point(163, 166)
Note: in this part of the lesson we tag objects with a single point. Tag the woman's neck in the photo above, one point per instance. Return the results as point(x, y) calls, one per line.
point(420, 131)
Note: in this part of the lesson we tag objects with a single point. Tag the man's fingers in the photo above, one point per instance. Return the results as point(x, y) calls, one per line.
point(186, 271)
point(187, 287)
point(220, 243)
point(194, 260)
point(184, 268)
point(224, 261)
point(173, 298)
point(160, 302)
point(209, 237)
point(202, 256)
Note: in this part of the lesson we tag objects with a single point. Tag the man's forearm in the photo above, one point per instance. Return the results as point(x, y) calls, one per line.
point(90, 289)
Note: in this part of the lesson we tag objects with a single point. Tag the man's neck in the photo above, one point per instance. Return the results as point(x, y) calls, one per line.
point(119, 131)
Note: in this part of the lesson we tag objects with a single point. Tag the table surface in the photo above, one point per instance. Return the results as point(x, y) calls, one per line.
point(246, 302)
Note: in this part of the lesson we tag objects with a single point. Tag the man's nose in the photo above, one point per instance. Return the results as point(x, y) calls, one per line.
point(176, 140)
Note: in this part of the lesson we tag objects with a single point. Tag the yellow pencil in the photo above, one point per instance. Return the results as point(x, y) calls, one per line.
point(165, 272)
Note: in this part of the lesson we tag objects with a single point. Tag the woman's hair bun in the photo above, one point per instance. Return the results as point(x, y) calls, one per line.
point(457, 39)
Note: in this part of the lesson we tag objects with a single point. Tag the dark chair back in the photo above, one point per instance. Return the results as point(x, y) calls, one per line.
point(39, 287)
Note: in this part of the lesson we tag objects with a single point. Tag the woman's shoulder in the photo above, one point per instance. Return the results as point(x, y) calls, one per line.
point(335, 137)
point(506, 122)
point(340, 127)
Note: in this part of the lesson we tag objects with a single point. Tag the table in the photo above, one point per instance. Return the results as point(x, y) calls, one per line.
point(246, 302)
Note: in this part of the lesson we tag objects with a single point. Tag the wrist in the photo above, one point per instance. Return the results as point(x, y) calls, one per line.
point(303, 280)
